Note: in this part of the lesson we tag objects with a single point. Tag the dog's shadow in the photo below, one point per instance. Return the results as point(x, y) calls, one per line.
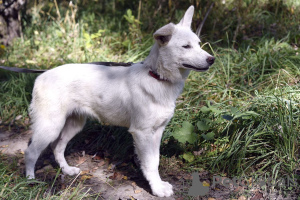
point(110, 142)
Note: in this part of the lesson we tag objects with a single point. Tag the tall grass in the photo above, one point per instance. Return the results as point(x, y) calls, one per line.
point(15, 96)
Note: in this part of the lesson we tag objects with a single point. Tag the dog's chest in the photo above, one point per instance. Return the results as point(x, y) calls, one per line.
point(133, 111)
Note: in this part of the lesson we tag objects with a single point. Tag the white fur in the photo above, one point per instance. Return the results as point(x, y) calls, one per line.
point(125, 96)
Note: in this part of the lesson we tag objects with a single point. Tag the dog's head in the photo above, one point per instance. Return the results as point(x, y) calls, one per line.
point(179, 49)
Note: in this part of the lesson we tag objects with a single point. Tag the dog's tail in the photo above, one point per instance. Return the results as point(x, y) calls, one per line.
point(22, 70)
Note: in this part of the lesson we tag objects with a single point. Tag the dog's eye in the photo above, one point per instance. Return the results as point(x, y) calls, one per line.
point(187, 46)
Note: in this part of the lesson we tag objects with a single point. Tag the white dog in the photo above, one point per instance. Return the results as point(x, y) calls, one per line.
point(141, 97)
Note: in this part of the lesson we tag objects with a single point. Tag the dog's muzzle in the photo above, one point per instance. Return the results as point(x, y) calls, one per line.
point(210, 60)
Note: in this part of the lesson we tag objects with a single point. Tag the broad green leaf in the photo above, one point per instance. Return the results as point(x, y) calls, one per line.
point(185, 133)
point(58, 33)
point(215, 110)
point(208, 136)
point(202, 126)
point(206, 120)
point(189, 157)
point(205, 109)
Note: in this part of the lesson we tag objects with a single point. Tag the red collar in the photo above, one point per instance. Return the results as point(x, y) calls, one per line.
point(156, 76)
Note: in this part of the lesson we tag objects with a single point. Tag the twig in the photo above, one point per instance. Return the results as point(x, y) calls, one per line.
point(57, 10)
point(198, 31)
point(236, 32)
point(139, 12)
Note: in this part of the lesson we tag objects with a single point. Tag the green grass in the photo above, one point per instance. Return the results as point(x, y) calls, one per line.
point(14, 186)
point(244, 111)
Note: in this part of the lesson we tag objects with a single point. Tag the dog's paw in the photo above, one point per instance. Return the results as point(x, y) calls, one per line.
point(71, 171)
point(162, 189)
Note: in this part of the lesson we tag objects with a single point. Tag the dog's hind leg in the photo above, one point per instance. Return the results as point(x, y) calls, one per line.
point(73, 125)
point(44, 132)
point(147, 144)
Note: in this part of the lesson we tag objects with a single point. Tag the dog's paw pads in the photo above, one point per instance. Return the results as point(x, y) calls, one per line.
point(162, 189)
point(71, 171)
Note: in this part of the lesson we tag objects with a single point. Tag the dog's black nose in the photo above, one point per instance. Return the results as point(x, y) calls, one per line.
point(210, 60)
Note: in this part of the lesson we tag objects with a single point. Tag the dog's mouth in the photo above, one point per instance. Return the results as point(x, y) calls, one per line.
point(195, 68)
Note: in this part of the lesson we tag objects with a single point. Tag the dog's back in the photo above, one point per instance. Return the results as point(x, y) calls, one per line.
point(79, 88)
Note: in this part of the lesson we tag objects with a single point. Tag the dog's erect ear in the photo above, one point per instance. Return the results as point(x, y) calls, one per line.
point(188, 17)
point(164, 34)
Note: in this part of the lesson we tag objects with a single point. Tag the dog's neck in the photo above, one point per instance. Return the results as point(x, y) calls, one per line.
point(157, 66)
point(156, 76)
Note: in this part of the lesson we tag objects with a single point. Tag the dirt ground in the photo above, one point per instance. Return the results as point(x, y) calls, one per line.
point(111, 179)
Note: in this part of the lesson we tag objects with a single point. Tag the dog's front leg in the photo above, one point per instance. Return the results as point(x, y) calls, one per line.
point(147, 143)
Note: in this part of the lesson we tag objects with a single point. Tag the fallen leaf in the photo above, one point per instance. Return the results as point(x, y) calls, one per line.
point(111, 166)
point(101, 163)
point(198, 153)
point(96, 158)
point(137, 191)
point(84, 172)
point(81, 160)
point(20, 152)
point(94, 169)
point(116, 176)
point(85, 177)
point(133, 184)
point(257, 196)
point(206, 184)
point(242, 198)
point(188, 177)
point(239, 189)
